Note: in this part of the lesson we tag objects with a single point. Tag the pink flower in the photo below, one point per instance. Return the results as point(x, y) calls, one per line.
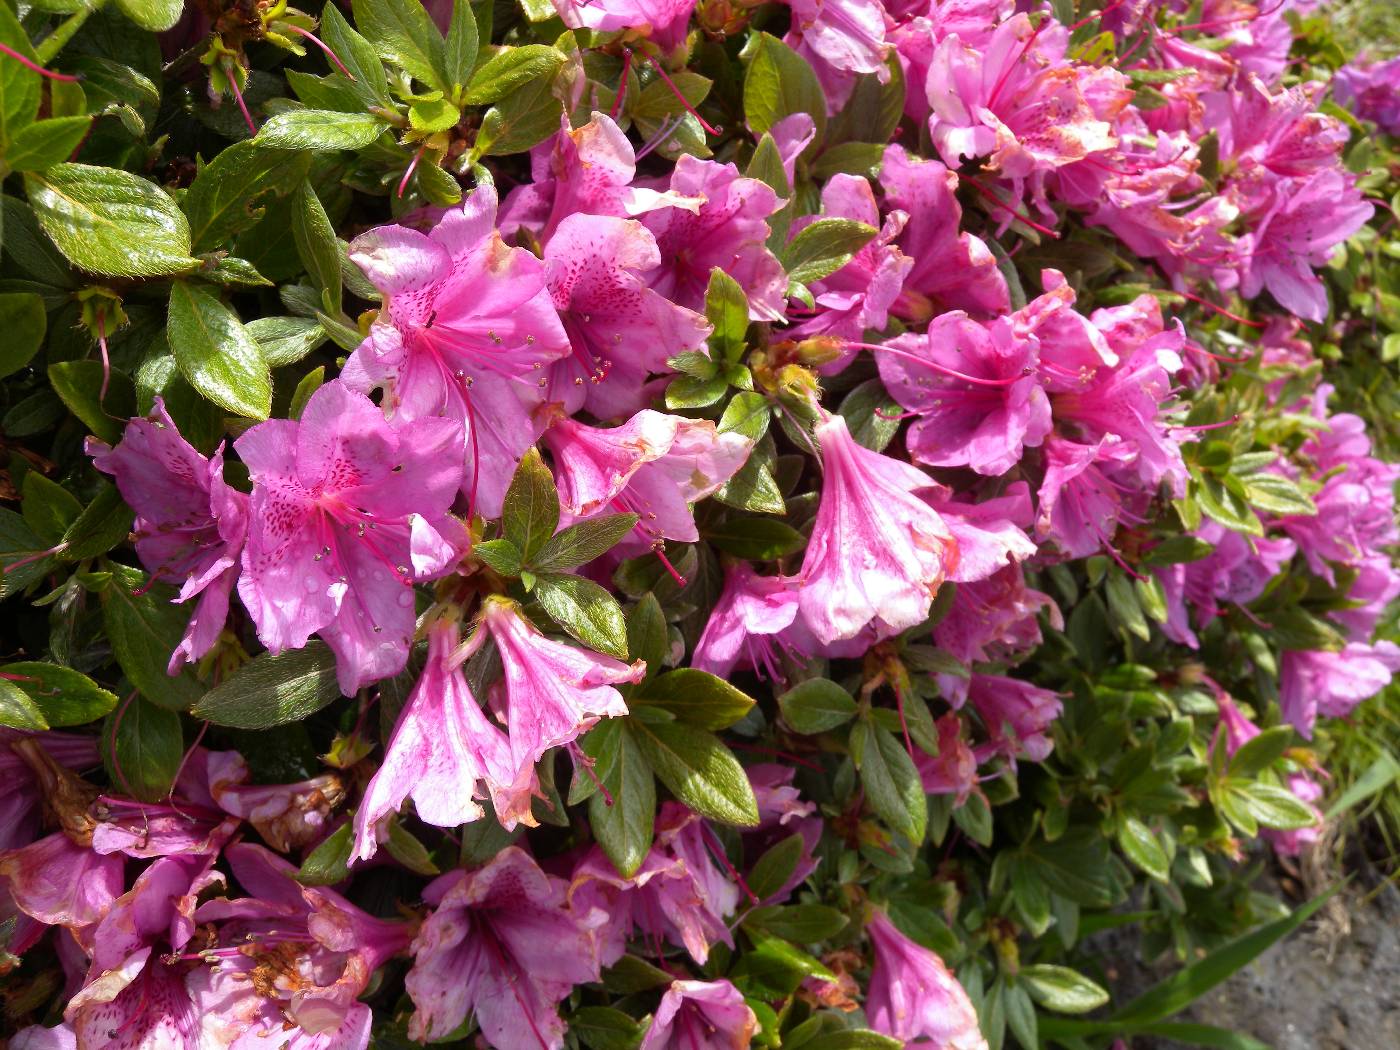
point(1371, 91)
point(953, 771)
point(952, 269)
point(655, 465)
point(729, 230)
point(500, 943)
point(550, 692)
point(746, 624)
point(1017, 714)
point(1079, 504)
point(347, 511)
point(701, 1015)
point(978, 400)
point(678, 893)
point(465, 331)
point(663, 22)
point(289, 957)
point(912, 995)
point(620, 330)
point(877, 551)
point(995, 618)
point(287, 816)
point(990, 535)
point(189, 525)
point(858, 296)
point(442, 751)
point(1313, 683)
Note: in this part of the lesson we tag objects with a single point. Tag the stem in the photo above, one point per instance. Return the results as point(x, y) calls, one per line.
point(622, 84)
point(408, 172)
point(683, 100)
point(31, 65)
point(238, 97)
point(307, 34)
point(1220, 310)
point(1008, 208)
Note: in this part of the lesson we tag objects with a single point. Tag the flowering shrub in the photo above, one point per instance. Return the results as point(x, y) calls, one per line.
point(676, 525)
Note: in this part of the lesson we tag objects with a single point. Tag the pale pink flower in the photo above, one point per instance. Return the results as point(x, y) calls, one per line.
point(701, 1015)
point(913, 997)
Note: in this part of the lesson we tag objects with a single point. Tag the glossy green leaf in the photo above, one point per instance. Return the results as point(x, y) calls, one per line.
point(699, 770)
point(142, 746)
point(216, 353)
point(273, 690)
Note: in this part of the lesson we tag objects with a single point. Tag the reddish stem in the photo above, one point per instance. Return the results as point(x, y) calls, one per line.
point(683, 100)
point(1008, 208)
point(412, 167)
point(1221, 310)
point(238, 97)
point(622, 84)
point(35, 67)
point(306, 33)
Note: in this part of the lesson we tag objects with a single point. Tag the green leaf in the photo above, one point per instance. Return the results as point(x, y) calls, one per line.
point(531, 512)
point(816, 706)
point(646, 633)
point(699, 770)
point(1228, 509)
point(584, 609)
point(696, 697)
point(154, 15)
point(1061, 989)
point(405, 36)
point(1261, 752)
point(320, 129)
point(800, 923)
point(1142, 847)
point(111, 222)
point(216, 353)
point(64, 697)
point(45, 143)
point(79, 384)
point(624, 828)
point(727, 310)
point(1276, 807)
point(460, 48)
point(871, 415)
point(17, 711)
point(605, 1028)
point(501, 555)
point(778, 83)
point(405, 848)
point(19, 544)
point(1076, 865)
point(285, 340)
point(772, 870)
point(748, 414)
point(103, 524)
point(891, 781)
point(436, 114)
point(824, 247)
point(329, 862)
point(358, 56)
point(144, 627)
point(1191, 982)
point(509, 69)
point(853, 1039)
point(272, 690)
point(774, 968)
point(1379, 775)
point(755, 539)
point(316, 244)
point(520, 121)
point(19, 86)
point(1178, 549)
point(142, 746)
point(310, 383)
point(1278, 495)
point(580, 543)
point(690, 392)
point(49, 509)
point(222, 202)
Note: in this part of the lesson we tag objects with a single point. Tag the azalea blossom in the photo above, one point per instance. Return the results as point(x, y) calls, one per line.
point(912, 995)
point(701, 1015)
point(348, 511)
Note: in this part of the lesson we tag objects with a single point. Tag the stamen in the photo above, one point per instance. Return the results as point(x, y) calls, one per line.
point(408, 172)
point(582, 761)
point(717, 851)
point(35, 67)
point(666, 564)
point(307, 34)
point(1219, 309)
point(238, 97)
point(934, 366)
point(622, 84)
point(683, 100)
point(1009, 209)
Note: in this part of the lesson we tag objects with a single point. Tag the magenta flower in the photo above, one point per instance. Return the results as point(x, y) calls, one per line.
point(1371, 91)
point(1313, 683)
point(442, 751)
point(1079, 504)
point(466, 329)
point(952, 269)
point(701, 1015)
point(877, 551)
point(1017, 714)
point(995, 618)
point(290, 958)
point(348, 509)
point(746, 624)
point(678, 894)
point(974, 390)
point(620, 330)
point(550, 692)
point(729, 230)
point(990, 535)
point(858, 296)
point(953, 771)
point(189, 525)
point(849, 35)
point(500, 943)
point(654, 465)
point(663, 22)
point(912, 995)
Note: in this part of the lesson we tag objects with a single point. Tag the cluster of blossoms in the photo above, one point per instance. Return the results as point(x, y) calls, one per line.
point(537, 332)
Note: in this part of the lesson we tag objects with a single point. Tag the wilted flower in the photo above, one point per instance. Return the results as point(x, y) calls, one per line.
point(701, 1015)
